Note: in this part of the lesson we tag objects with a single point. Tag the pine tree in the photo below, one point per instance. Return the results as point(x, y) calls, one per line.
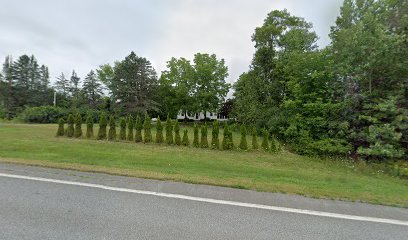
point(204, 139)
point(78, 126)
point(130, 124)
point(112, 129)
point(227, 142)
point(177, 137)
point(147, 125)
point(169, 131)
point(70, 127)
point(139, 127)
point(62, 85)
point(159, 131)
point(102, 126)
point(215, 140)
point(254, 139)
point(89, 126)
point(122, 132)
point(243, 144)
point(60, 131)
point(195, 141)
point(273, 146)
point(92, 89)
point(186, 141)
point(265, 140)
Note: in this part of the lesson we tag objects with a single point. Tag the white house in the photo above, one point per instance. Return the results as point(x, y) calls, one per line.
point(200, 116)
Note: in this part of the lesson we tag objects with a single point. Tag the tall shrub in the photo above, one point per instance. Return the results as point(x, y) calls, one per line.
point(227, 142)
point(186, 141)
point(243, 144)
point(195, 141)
point(112, 129)
point(102, 126)
point(139, 127)
point(265, 140)
point(89, 126)
point(215, 140)
point(159, 131)
point(78, 126)
point(60, 131)
point(169, 131)
point(273, 146)
point(147, 125)
point(122, 131)
point(130, 125)
point(254, 138)
point(70, 127)
point(204, 140)
point(177, 138)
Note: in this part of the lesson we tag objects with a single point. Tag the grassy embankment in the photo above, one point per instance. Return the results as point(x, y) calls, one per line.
point(282, 172)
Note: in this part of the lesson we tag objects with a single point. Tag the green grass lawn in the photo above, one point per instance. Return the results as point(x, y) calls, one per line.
point(283, 172)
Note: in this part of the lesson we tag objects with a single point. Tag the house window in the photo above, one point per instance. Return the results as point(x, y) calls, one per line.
point(211, 114)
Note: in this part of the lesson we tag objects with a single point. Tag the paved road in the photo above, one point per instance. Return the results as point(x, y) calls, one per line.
point(31, 209)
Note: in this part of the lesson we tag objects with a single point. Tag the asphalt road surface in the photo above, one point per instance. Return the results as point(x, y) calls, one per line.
point(43, 208)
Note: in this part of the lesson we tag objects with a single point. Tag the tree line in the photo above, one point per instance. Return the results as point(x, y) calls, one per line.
point(349, 98)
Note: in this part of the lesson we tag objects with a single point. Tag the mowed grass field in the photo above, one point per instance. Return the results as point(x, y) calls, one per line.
point(282, 172)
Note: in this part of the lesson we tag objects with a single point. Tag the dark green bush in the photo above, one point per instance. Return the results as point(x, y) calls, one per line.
point(169, 131)
point(265, 140)
point(215, 139)
point(227, 141)
point(139, 127)
point(243, 144)
point(130, 124)
point(177, 138)
point(147, 125)
point(60, 131)
point(70, 127)
point(112, 129)
point(254, 139)
point(89, 126)
point(43, 114)
point(102, 126)
point(186, 141)
point(78, 126)
point(122, 131)
point(195, 141)
point(159, 131)
point(204, 140)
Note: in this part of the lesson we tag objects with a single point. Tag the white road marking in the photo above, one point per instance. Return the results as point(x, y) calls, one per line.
point(209, 200)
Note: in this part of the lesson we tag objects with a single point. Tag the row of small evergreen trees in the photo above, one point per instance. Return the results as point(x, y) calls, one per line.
point(144, 134)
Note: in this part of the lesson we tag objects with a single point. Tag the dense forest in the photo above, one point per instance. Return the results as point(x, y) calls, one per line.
point(348, 99)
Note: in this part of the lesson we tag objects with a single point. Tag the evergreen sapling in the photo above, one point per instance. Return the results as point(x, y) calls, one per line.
point(177, 138)
point(112, 129)
point(204, 140)
point(147, 125)
point(169, 131)
point(60, 131)
point(195, 141)
point(159, 131)
point(186, 141)
point(102, 126)
point(139, 127)
point(265, 140)
point(254, 139)
point(122, 131)
point(78, 126)
point(130, 125)
point(243, 144)
point(89, 126)
point(70, 127)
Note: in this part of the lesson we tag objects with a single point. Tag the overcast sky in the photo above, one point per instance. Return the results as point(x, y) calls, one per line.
point(83, 34)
